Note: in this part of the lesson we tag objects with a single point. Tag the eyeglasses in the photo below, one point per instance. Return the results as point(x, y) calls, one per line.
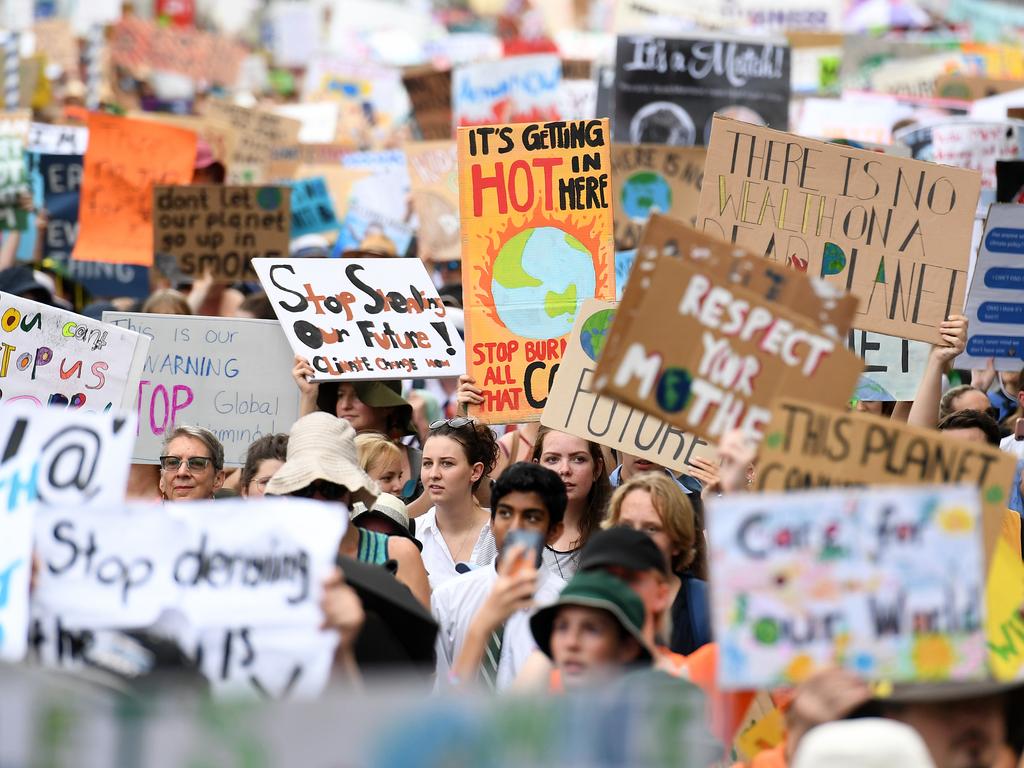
point(327, 490)
point(194, 463)
point(456, 423)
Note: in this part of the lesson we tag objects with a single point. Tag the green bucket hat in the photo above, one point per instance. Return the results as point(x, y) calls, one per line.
point(376, 394)
point(595, 589)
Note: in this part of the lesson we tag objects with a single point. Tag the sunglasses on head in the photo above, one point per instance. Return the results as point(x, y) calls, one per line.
point(195, 463)
point(327, 490)
point(455, 423)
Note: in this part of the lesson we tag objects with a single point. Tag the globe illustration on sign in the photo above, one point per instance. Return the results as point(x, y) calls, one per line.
point(541, 276)
point(594, 332)
point(645, 192)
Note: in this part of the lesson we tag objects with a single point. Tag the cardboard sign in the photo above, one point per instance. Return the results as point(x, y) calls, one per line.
point(653, 179)
point(312, 208)
point(887, 583)
point(220, 230)
point(57, 139)
point(125, 159)
point(55, 357)
point(62, 183)
point(893, 367)
point(517, 89)
point(56, 39)
point(968, 88)
point(123, 565)
point(808, 446)
point(434, 179)
point(994, 308)
point(230, 375)
point(748, 346)
point(977, 146)
point(574, 407)
point(536, 213)
point(217, 134)
point(894, 232)
point(667, 90)
point(140, 45)
point(13, 172)
point(257, 133)
point(363, 318)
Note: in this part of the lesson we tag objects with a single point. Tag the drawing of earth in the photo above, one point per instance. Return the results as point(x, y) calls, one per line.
point(645, 192)
point(594, 332)
point(662, 122)
point(541, 276)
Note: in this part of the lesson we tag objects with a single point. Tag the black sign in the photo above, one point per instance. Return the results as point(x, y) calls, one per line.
point(666, 90)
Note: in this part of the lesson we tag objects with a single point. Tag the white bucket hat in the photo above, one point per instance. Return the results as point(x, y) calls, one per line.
point(864, 743)
point(322, 447)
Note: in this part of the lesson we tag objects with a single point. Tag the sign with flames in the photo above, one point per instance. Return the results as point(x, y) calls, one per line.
point(535, 203)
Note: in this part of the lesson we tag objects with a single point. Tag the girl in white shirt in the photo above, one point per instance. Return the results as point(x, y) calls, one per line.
point(456, 533)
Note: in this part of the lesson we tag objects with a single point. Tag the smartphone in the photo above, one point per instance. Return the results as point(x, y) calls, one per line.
point(532, 541)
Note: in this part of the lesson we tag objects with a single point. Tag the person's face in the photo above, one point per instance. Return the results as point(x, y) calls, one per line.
point(569, 457)
point(651, 586)
point(184, 484)
point(869, 406)
point(637, 512)
point(634, 465)
point(388, 474)
point(521, 511)
point(587, 645)
point(962, 734)
point(971, 435)
point(450, 272)
point(264, 471)
point(971, 400)
point(362, 417)
point(446, 473)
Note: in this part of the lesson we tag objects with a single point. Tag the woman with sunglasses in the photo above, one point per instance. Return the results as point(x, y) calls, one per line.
point(456, 532)
point(191, 465)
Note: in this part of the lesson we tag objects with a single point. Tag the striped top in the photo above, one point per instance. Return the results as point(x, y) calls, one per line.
point(373, 547)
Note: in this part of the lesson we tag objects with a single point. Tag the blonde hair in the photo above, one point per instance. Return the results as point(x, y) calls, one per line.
point(375, 448)
point(167, 302)
point(674, 509)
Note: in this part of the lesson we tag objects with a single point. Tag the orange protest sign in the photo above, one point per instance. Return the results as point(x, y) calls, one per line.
point(124, 160)
point(535, 204)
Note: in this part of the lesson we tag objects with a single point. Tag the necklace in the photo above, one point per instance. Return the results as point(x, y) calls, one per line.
point(462, 544)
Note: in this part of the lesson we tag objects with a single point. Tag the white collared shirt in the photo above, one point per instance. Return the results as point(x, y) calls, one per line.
point(438, 560)
point(456, 603)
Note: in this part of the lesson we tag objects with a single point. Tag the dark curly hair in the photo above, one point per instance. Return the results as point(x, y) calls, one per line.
point(266, 447)
point(477, 440)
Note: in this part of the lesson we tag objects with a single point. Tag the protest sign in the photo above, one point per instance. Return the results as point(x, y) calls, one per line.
point(575, 408)
point(13, 172)
point(893, 367)
point(230, 375)
point(218, 135)
point(377, 217)
point(140, 45)
point(650, 179)
point(536, 210)
point(434, 181)
point(55, 357)
point(894, 232)
point(810, 446)
point(15, 561)
point(973, 88)
point(312, 209)
point(45, 138)
point(318, 121)
point(219, 230)
point(56, 39)
point(977, 146)
point(257, 133)
point(753, 346)
point(363, 318)
point(261, 562)
point(994, 309)
point(1004, 623)
point(518, 89)
point(125, 159)
point(656, 76)
point(887, 583)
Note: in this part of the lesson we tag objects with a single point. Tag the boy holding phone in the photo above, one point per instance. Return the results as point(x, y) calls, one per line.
point(484, 615)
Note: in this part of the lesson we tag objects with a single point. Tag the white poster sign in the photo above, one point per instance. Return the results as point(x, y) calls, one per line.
point(363, 318)
point(57, 139)
point(230, 375)
point(54, 357)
